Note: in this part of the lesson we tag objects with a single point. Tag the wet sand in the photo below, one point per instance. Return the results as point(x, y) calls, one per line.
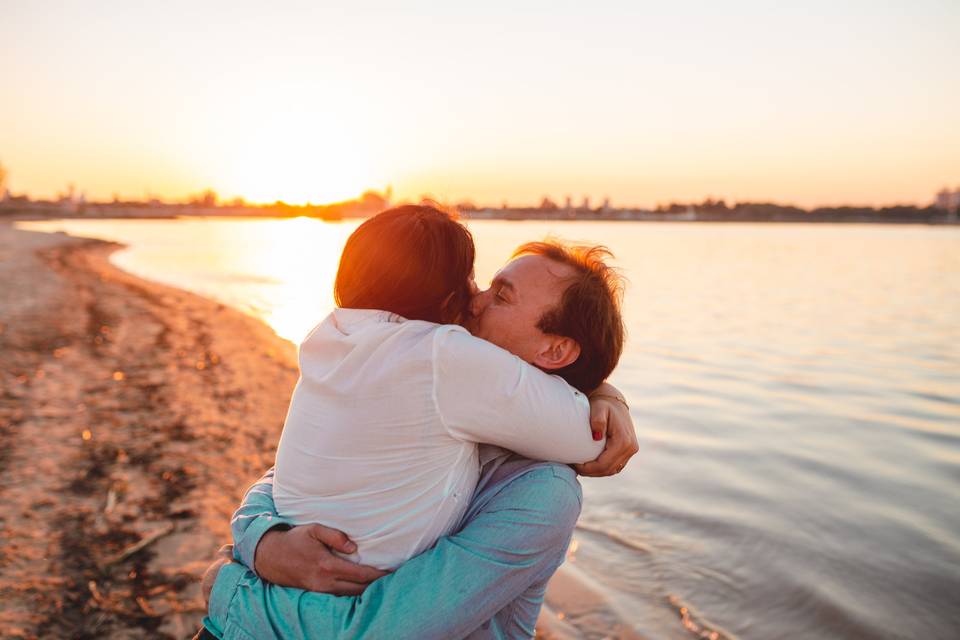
point(130, 413)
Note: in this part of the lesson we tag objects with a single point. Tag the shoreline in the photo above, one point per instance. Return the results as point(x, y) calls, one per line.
point(512, 215)
point(131, 412)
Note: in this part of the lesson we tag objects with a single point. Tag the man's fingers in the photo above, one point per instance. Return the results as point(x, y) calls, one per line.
point(336, 540)
point(341, 569)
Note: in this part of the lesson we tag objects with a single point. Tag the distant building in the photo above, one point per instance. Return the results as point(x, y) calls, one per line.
point(547, 204)
point(568, 203)
point(606, 205)
point(71, 201)
point(586, 203)
point(949, 201)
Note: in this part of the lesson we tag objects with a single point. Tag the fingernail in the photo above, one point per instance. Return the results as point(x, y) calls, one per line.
point(597, 435)
point(350, 547)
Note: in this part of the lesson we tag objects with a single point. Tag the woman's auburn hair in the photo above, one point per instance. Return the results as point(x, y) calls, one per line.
point(414, 260)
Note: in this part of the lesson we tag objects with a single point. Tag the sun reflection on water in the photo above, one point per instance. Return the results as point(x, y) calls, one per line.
point(280, 270)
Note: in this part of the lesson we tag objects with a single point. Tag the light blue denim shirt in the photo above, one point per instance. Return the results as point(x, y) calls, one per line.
point(485, 581)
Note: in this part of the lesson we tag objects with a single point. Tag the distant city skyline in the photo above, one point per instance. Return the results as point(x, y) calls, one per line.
point(945, 198)
point(642, 103)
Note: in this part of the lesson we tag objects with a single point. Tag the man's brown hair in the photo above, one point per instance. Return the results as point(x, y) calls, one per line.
point(588, 312)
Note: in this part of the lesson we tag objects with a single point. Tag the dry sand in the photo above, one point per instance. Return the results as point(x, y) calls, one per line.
point(127, 410)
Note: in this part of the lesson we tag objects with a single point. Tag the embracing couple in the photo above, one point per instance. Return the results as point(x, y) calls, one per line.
point(422, 486)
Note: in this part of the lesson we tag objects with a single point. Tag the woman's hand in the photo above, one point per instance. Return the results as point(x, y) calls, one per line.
point(301, 557)
point(610, 415)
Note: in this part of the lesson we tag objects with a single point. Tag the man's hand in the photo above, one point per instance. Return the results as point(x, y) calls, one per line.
point(301, 557)
point(612, 417)
point(224, 556)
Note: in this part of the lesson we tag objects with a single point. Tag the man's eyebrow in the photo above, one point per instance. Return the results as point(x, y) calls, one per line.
point(501, 281)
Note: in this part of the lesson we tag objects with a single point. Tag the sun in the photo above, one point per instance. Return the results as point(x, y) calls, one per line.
point(298, 160)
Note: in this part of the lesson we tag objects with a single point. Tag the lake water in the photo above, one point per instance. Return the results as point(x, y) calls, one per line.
point(796, 390)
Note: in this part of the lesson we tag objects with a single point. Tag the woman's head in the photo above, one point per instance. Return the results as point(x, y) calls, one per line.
point(414, 260)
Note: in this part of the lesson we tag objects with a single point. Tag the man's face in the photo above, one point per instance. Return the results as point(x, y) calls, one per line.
point(507, 313)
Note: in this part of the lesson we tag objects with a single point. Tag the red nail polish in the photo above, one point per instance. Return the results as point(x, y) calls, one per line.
point(597, 435)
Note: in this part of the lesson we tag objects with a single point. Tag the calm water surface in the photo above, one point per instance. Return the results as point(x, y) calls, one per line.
point(796, 390)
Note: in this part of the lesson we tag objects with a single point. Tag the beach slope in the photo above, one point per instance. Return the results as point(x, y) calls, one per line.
point(132, 417)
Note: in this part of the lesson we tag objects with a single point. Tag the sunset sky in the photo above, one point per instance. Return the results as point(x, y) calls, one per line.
point(824, 102)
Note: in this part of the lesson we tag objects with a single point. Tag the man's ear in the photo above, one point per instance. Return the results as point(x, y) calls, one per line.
point(559, 352)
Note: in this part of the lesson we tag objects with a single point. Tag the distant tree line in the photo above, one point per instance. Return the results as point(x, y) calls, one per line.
point(206, 202)
point(711, 209)
point(367, 204)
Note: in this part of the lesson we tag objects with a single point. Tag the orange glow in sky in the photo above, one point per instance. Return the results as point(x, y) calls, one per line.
point(641, 102)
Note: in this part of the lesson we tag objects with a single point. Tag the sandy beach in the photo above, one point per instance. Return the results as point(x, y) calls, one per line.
point(131, 415)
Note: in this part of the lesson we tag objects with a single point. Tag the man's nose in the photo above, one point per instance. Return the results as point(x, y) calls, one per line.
point(479, 302)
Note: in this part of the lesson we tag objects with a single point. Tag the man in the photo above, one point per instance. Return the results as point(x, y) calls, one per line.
point(554, 306)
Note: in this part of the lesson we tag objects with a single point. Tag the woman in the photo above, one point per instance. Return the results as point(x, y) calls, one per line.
point(381, 437)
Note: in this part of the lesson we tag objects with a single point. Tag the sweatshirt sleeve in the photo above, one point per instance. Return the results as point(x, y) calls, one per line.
point(487, 395)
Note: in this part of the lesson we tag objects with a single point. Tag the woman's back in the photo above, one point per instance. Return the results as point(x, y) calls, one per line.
point(364, 449)
point(381, 436)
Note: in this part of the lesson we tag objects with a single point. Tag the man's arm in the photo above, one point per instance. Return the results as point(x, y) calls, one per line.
point(304, 560)
point(514, 539)
point(254, 518)
point(257, 515)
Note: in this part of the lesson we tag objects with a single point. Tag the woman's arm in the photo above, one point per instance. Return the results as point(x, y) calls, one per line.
point(610, 414)
point(486, 394)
